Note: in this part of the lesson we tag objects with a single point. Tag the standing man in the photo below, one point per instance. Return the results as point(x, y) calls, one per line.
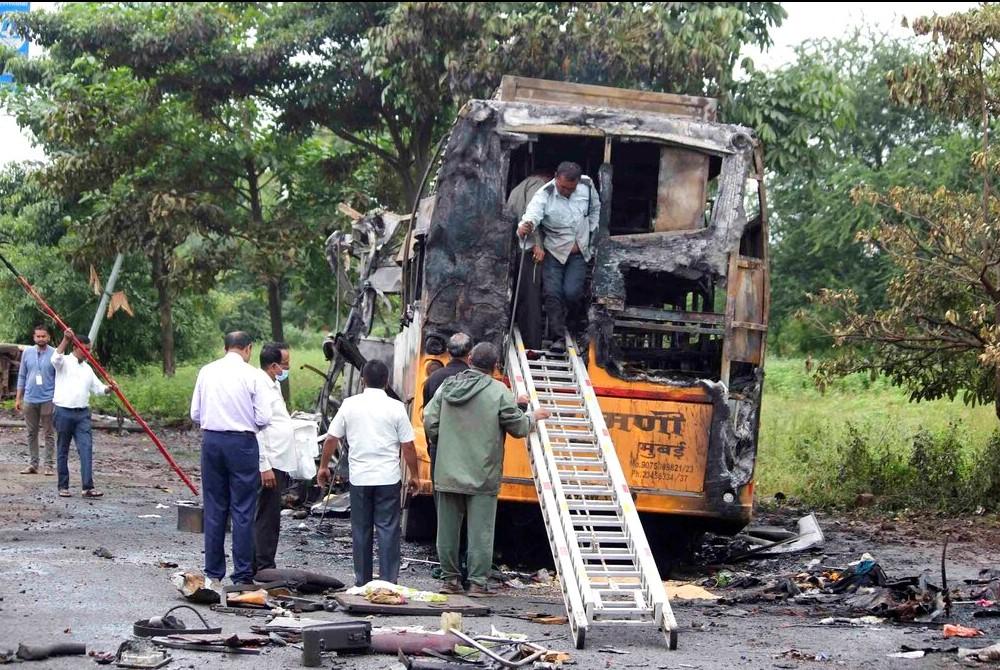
point(567, 210)
point(459, 347)
point(75, 381)
point(469, 416)
point(230, 403)
point(529, 291)
point(376, 428)
point(277, 457)
point(36, 383)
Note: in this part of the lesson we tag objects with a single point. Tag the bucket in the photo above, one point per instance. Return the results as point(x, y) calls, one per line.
point(190, 517)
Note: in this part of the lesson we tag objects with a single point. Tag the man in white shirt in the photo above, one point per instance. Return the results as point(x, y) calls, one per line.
point(75, 381)
point(376, 428)
point(231, 404)
point(277, 457)
point(567, 211)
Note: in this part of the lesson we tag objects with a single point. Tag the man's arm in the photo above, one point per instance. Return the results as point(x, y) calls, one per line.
point(267, 478)
point(196, 399)
point(323, 474)
point(410, 458)
point(432, 417)
point(262, 410)
point(22, 380)
point(516, 422)
point(534, 213)
point(96, 387)
point(64, 342)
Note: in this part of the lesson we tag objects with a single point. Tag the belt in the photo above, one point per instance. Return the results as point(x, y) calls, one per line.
point(231, 432)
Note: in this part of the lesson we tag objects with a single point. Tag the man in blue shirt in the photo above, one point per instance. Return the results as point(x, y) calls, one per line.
point(36, 382)
point(567, 211)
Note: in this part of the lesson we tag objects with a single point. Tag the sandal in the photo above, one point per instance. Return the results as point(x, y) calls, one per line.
point(92, 493)
point(63, 493)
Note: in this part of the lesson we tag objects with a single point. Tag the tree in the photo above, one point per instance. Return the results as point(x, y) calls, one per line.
point(224, 169)
point(389, 77)
point(939, 333)
point(828, 123)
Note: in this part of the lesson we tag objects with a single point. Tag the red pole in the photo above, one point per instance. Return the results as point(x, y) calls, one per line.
point(103, 374)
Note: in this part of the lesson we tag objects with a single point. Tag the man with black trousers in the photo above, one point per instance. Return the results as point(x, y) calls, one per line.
point(230, 403)
point(277, 457)
point(459, 348)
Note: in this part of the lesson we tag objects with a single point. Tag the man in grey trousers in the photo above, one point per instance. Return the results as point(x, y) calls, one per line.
point(36, 383)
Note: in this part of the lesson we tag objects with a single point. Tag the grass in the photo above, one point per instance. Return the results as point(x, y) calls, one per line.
point(861, 436)
point(864, 436)
point(169, 398)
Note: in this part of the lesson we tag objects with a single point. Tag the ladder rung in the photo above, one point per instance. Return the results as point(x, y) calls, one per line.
point(581, 489)
point(592, 505)
point(561, 396)
point(566, 421)
point(612, 553)
point(580, 462)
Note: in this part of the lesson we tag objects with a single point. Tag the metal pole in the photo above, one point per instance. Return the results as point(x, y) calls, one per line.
point(101, 372)
point(102, 308)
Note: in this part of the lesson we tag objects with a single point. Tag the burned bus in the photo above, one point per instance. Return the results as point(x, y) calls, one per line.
point(678, 290)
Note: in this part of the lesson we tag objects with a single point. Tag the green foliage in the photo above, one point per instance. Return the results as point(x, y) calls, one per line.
point(938, 333)
point(864, 436)
point(388, 77)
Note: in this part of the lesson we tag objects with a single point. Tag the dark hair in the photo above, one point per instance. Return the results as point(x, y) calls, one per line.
point(82, 339)
point(270, 354)
point(459, 345)
point(375, 374)
point(485, 356)
point(569, 170)
point(40, 326)
point(237, 340)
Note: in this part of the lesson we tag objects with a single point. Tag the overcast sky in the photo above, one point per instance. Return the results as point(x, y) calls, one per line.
point(806, 20)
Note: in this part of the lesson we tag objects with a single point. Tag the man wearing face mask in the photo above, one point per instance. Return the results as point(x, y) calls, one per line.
point(231, 404)
point(277, 457)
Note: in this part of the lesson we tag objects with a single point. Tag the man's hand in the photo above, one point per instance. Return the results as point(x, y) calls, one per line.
point(17, 403)
point(541, 414)
point(522, 399)
point(412, 486)
point(538, 253)
point(69, 334)
point(268, 480)
point(525, 228)
point(323, 477)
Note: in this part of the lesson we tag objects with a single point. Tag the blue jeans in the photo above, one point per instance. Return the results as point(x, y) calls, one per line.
point(562, 287)
point(230, 475)
point(74, 424)
point(375, 507)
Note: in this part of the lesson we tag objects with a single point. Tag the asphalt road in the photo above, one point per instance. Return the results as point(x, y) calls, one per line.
point(54, 587)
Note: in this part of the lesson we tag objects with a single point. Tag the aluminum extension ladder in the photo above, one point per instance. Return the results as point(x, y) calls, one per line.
point(606, 569)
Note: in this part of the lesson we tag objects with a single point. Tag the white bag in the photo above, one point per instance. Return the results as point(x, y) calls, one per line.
point(306, 449)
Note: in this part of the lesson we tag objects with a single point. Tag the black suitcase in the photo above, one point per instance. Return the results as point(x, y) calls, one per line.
point(344, 636)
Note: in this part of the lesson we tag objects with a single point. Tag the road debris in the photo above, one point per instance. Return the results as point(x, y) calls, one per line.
point(953, 630)
point(197, 588)
point(102, 552)
point(986, 654)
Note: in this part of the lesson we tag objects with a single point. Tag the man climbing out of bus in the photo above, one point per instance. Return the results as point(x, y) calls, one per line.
point(566, 211)
point(468, 417)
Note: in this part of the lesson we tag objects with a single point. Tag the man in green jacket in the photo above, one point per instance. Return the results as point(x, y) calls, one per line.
point(468, 417)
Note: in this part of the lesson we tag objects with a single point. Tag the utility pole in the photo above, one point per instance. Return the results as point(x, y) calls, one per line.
point(103, 307)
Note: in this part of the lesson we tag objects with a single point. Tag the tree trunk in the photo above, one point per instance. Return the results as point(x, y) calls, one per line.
point(273, 283)
point(277, 323)
point(161, 280)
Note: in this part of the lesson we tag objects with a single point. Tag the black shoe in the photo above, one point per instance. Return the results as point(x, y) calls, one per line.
point(558, 346)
